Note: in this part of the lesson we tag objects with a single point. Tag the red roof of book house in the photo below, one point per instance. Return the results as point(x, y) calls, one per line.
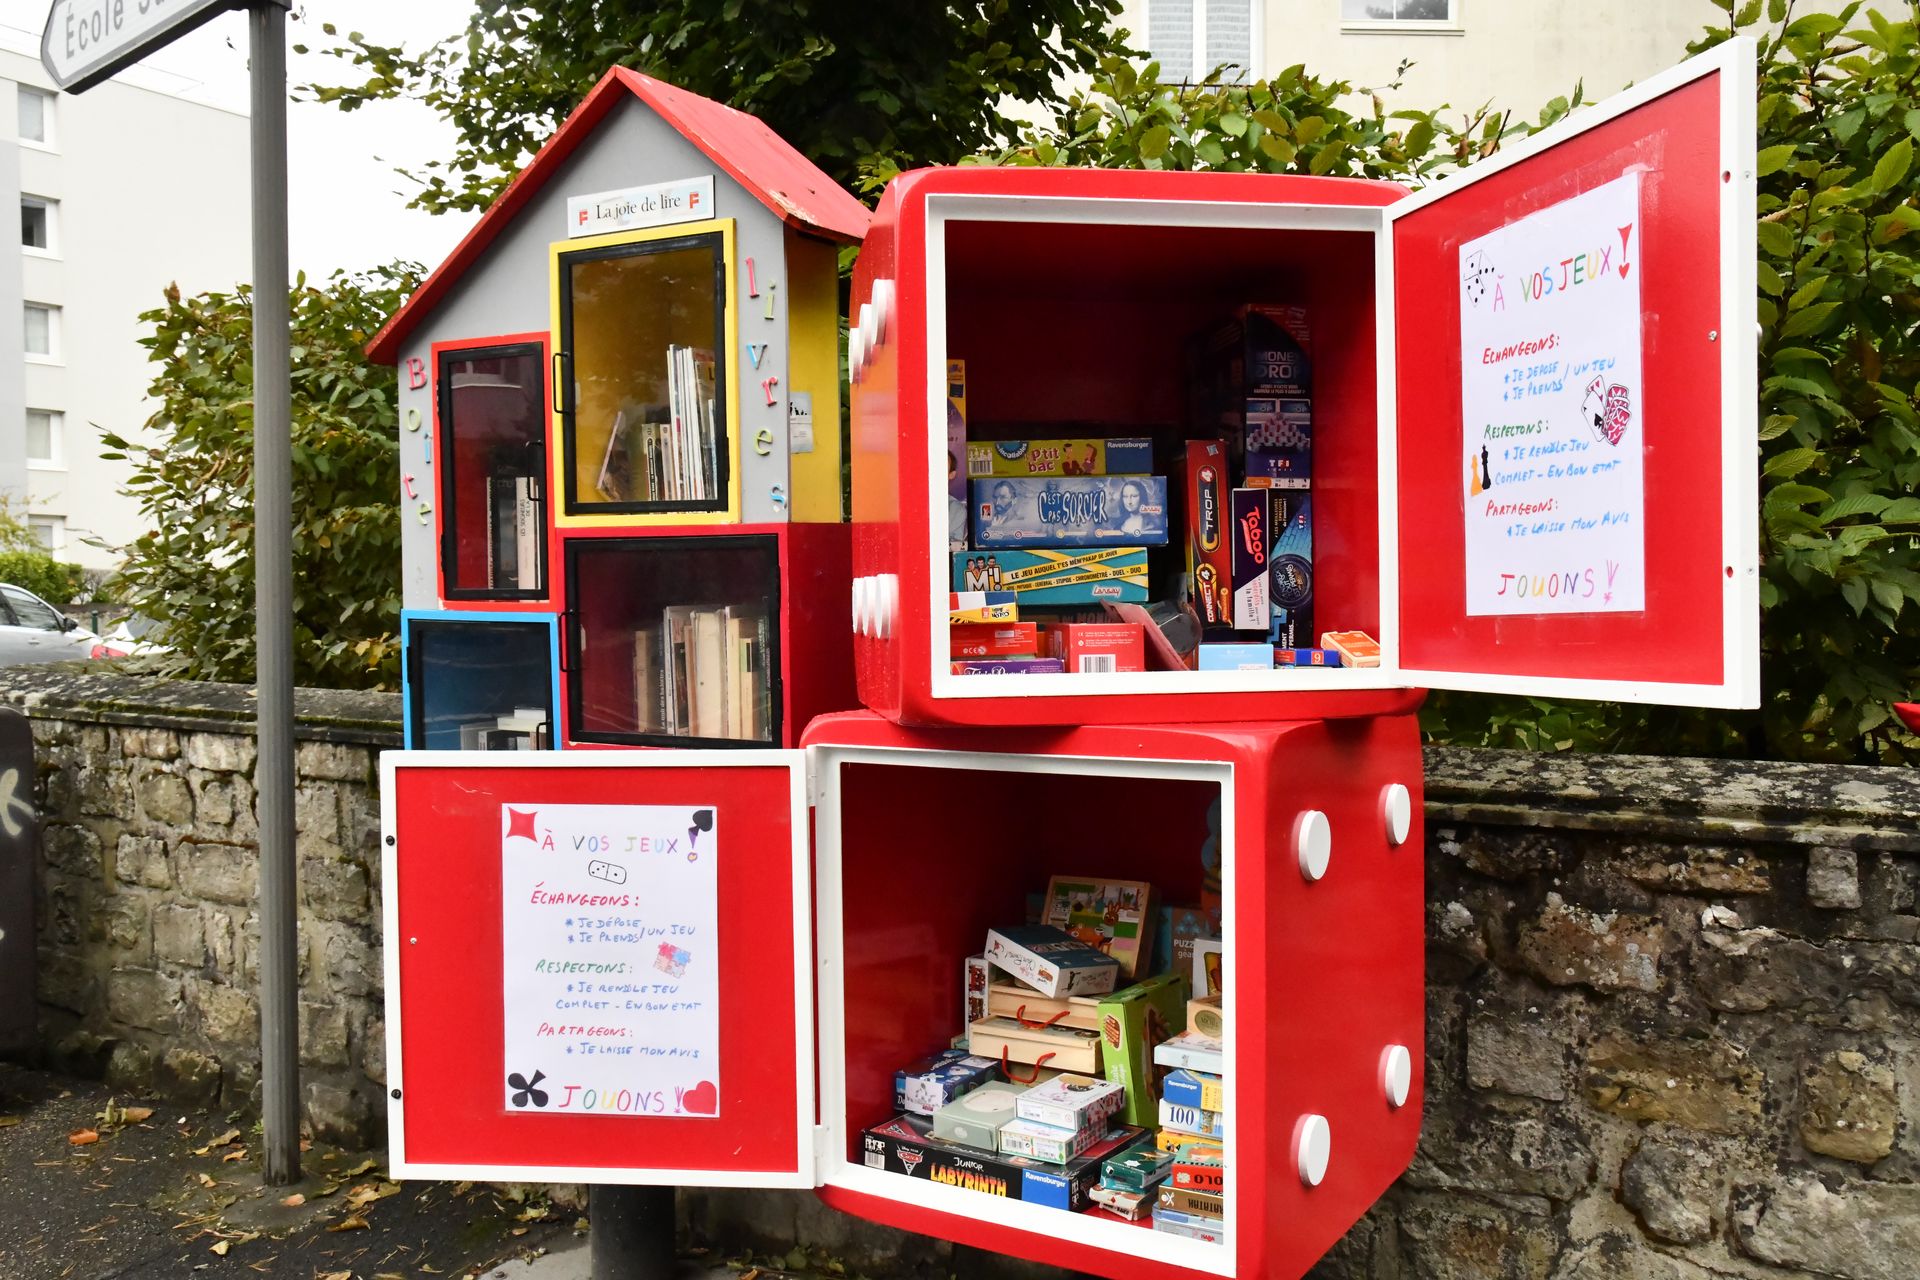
point(741, 145)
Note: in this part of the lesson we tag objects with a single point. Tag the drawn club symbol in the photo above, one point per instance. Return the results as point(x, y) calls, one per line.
point(10, 782)
point(526, 1090)
point(702, 821)
point(520, 824)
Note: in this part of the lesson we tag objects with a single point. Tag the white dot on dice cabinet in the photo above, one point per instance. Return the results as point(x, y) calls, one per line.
point(1396, 1071)
point(1313, 1147)
point(1313, 843)
point(1396, 804)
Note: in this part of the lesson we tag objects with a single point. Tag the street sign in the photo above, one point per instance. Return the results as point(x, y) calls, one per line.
point(85, 41)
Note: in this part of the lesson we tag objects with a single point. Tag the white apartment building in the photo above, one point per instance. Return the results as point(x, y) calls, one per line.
point(1517, 54)
point(122, 190)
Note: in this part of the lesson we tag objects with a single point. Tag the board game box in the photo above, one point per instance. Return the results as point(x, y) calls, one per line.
point(1052, 961)
point(1070, 511)
point(1192, 1051)
point(975, 1118)
point(1290, 568)
point(1071, 1102)
point(1062, 1048)
point(1115, 917)
point(956, 454)
point(1133, 1024)
point(1128, 456)
point(905, 1145)
point(1205, 485)
point(1007, 999)
point(994, 640)
point(1056, 578)
point(1194, 1089)
point(1249, 537)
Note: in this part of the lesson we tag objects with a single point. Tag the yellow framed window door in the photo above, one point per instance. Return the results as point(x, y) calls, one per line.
point(646, 399)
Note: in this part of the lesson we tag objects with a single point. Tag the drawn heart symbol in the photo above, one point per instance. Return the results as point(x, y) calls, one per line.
point(1625, 266)
point(701, 1100)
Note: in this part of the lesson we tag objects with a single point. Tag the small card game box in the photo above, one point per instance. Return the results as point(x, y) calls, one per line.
point(1129, 456)
point(1098, 648)
point(1056, 578)
point(1235, 657)
point(1356, 648)
point(1062, 1048)
point(1070, 511)
point(1173, 937)
point(1141, 1169)
point(1006, 999)
point(1209, 560)
point(1192, 1051)
point(1071, 1102)
point(975, 1118)
point(927, 1087)
point(916, 1069)
point(1199, 1169)
point(1044, 1142)
point(1051, 961)
point(1306, 658)
point(1134, 1206)
point(1203, 1203)
point(1248, 538)
point(982, 606)
point(1193, 1226)
point(1174, 1115)
point(1207, 1015)
point(1113, 916)
point(994, 640)
point(1194, 1089)
point(1133, 1022)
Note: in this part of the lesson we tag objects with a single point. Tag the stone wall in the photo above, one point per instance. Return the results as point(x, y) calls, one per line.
point(1673, 1006)
point(147, 919)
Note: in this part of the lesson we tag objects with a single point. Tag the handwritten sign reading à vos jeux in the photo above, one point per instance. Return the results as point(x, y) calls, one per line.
point(1553, 409)
point(611, 960)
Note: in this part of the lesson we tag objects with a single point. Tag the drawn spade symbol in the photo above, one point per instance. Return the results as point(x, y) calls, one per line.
point(526, 1090)
point(702, 821)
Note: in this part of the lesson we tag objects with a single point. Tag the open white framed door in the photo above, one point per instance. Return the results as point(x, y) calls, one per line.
point(1569, 468)
point(599, 966)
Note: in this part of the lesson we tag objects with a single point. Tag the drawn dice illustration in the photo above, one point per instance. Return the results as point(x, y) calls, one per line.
point(1476, 277)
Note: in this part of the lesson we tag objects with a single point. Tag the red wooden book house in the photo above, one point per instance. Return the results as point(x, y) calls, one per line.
point(705, 967)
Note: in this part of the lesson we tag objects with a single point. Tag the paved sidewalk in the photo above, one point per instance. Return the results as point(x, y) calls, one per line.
point(177, 1193)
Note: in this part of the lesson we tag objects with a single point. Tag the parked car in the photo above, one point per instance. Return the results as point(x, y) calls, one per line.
point(31, 630)
point(131, 637)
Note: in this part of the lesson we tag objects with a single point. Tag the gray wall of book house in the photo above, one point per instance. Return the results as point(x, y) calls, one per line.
point(509, 290)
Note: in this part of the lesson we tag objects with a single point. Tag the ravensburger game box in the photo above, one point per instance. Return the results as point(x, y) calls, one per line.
point(905, 1144)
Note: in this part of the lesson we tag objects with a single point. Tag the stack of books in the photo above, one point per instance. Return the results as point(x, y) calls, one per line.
point(703, 673)
point(677, 460)
point(1191, 1201)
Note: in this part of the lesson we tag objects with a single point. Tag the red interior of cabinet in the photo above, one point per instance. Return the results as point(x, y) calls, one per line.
point(1674, 142)
point(932, 858)
point(1071, 328)
point(616, 586)
point(447, 826)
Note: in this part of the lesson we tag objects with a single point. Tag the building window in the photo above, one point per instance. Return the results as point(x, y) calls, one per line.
point(1402, 14)
point(36, 115)
point(43, 331)
point(36, 222)
point(1189, 38)
point(45, 428)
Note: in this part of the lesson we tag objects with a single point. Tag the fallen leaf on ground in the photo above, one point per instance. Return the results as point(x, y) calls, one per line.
point(220, 1247)
point(365, 1166)
point(355, 1223)
point(294, 1201)
point(82, 1137)
point(7, 1122)
point(238, 1153)
point(336, 1275)
point(517, 1231)
point(136, 1115)
point(205, 1181)
point(368, 1192)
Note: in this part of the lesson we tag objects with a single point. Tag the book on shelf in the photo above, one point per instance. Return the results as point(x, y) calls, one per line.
point(676, 634)
point(615, 481)
point(514, 527)
point(649, 691)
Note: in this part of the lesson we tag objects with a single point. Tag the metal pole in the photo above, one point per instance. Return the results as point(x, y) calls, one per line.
point(630, 1234)
point(273, 600)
